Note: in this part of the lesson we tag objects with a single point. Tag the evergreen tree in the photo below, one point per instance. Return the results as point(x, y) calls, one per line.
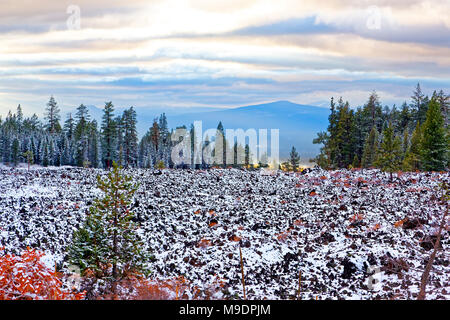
point(81, 136)
point(29, 156)
point(130, 140)
point(434, 142)
point(109, 236)
point(405, 118)
point(69, 126)
point(19, 119)
point(444, 102)
point(93, 145)
point(109, 135)
point(164, 141)
point(389, 153)
point(417, 105)
point(370, 149)
point(405, 144)
point(294, 159)
point(412, 157)
point(372, 113)
point(355, 163)
point(344, 137)
point(52, 115)
point(45, 157)
point(15, 152)
point(220, 149)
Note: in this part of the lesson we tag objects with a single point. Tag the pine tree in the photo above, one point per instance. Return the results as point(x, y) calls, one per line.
point(372, 113)
point(45, 157)
point(359, 133)
point(434, 142)
point(109, 135)
point(412, 157)
point(344, 137)
point(29, 156)
point(52, 115)
point(444, 102)
point(333, 120)
point(108, 243)
point(93, 144)
point(164, 148)
point(15, 152)
point(405, 118)
point(405, 144)
point(294, 159)
point(355, 163)
point(69, 126)
point(220, 149)
point(370, 149)
point(130, 139)
point(389, 153)
point(19, 119)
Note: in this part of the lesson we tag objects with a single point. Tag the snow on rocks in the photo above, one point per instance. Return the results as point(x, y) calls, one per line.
point(351, 234)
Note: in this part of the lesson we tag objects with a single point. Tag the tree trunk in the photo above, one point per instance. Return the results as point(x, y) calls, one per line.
point(426, 273)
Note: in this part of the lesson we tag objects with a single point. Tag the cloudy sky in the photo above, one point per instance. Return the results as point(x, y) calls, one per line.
point(181, 53)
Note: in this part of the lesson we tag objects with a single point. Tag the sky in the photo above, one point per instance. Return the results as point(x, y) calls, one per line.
point(183, 54)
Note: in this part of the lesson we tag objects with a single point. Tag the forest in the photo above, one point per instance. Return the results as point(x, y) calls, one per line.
point(414, 137)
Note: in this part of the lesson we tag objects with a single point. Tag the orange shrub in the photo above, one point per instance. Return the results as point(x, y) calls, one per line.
point(139, 288)
point(26, 277)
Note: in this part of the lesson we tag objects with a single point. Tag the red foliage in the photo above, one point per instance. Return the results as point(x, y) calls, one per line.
point(204, 243)
point(26, 277)
point(139, 288)
point(235, 238)
point(400, 223)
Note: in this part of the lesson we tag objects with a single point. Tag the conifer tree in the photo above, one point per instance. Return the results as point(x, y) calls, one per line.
point(344, 137)
point(220, 149)
point(93, 144)
point(355, 163)
point(294, 159)
point(405, 144)
point(444, 102)
point(404, 118)
point(370, 149)
point(434, 146)
point(389, 153)
point(45, 156)
point(52, 115)
point(69, 127)
point(108, 243)
point(412, 157)
point(109, 135)
point(130, 138)
point(15, 152)
point(29, 156)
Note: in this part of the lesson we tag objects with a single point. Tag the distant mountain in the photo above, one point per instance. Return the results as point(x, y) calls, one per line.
point(298, 124)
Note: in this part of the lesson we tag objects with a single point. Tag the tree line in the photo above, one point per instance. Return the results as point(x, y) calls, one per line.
point(414, 137)
point(81, 141)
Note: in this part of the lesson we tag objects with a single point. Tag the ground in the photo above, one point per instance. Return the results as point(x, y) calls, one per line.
point(347, 234)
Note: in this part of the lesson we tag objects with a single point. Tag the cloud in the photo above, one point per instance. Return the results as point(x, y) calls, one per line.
point(221, 53)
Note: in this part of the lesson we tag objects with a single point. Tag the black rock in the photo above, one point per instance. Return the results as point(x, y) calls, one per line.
point(349, 268)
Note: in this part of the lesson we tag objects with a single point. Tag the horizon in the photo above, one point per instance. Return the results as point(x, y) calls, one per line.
point(197, 54)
